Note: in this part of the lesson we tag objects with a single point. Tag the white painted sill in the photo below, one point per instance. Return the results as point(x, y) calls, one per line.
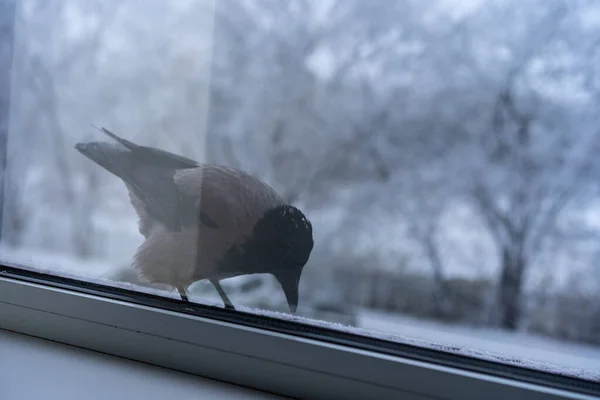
point(34, 368)
point(264, 359)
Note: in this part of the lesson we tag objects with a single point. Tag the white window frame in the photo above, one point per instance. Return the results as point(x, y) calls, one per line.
point(207, 341)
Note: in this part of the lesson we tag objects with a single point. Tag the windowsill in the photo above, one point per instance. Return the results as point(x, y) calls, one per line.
point(270, 360)
point(34, 368)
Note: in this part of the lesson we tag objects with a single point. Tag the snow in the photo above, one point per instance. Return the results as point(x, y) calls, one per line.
point(47, 261)
point(100, 272)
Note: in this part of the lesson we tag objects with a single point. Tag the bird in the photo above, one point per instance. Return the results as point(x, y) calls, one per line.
point(205, 221)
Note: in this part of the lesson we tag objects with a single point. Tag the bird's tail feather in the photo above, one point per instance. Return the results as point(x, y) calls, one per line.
point(112, 157)
point(124, 142)
point(152, 155)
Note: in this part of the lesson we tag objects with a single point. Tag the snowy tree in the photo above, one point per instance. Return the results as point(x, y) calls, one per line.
point(524, 124)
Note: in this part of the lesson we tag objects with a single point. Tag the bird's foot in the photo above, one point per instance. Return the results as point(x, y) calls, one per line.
point(183, 295)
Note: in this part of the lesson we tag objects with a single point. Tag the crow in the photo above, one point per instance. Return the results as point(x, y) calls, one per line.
point(204, 221)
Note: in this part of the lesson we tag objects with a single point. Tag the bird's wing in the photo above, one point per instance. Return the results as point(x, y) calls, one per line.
point(146, 222)
point(155, 196)
point(229, 197)
point(149, 176)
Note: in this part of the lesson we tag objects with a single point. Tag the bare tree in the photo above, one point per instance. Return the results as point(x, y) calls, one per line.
point(485, 118)
point(44, 73)
point(301, 124)
point(526, 162)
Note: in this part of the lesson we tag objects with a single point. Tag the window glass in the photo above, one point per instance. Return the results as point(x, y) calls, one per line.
point(435, 162)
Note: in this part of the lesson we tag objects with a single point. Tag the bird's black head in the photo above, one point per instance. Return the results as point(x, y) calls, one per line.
point(281, 244)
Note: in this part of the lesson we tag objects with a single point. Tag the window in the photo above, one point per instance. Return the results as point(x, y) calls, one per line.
point(444, 154)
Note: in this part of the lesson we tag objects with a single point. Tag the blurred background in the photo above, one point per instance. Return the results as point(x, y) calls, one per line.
point(446, 151)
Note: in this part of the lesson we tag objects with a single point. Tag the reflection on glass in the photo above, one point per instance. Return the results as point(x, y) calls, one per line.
point(445, 154)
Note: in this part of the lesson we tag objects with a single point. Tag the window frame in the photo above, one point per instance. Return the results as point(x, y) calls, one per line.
point(207, 341)
point(280, 357)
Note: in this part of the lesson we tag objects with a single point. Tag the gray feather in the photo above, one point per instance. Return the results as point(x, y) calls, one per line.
point(190, 213)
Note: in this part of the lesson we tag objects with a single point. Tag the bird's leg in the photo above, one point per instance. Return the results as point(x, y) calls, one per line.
point(222, 293)
point(183, 294)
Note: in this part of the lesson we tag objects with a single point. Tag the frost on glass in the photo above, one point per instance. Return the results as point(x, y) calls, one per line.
point(444, 151)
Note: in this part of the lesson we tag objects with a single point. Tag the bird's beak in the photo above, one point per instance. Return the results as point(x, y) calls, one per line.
point(290, 281)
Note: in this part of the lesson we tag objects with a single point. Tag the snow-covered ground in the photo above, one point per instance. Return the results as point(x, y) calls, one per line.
point(54, 262)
